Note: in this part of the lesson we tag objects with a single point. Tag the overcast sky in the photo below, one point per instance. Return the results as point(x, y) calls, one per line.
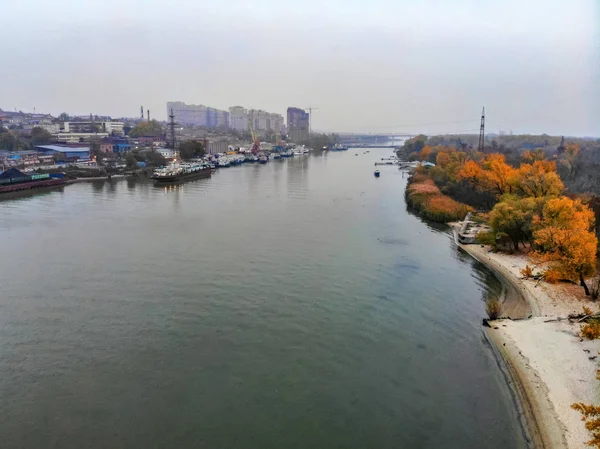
point(368, 65)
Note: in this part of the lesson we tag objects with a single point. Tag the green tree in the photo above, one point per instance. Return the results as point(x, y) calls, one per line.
point(151, 129)
point(514, 216)
point(39, 136)
point(7, 141)
point(190, 149)
point(131, 161)
point(64, 117)
point(155, 158)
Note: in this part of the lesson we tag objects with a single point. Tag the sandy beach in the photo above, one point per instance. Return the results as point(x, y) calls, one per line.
point(550, 365)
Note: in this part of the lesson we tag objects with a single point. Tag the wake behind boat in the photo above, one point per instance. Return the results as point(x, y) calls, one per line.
point(179, 172)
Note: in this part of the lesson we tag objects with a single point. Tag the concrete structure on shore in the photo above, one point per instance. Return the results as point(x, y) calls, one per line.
point(298, 124)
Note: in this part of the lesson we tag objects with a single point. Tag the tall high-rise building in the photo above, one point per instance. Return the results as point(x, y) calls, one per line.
point(238, 118)
point(275, 122)
point(211, 117)
point(297, 124)
point(222, 119)
point(197, 115)
point(187, 114)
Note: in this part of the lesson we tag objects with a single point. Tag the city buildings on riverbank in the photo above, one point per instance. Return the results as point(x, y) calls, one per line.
point(298, 124)
point(237, 118)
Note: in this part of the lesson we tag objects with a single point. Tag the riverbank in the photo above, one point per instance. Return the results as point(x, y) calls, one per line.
point(550, 365)
point(425, 197)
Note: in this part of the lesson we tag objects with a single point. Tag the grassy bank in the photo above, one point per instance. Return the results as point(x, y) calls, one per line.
point(424, 196)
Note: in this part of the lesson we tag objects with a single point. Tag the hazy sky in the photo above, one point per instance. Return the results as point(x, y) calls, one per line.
point(369, 65)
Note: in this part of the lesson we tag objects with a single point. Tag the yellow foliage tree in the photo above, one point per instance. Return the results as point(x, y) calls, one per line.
point(563, 236)
point(538, 180)
point(529, 157)
point(493, 174)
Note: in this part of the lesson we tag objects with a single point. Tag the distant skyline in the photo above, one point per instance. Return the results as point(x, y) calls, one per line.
point(368, 66)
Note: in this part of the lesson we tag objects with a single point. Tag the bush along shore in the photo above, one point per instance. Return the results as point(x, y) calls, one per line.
point(425, 197)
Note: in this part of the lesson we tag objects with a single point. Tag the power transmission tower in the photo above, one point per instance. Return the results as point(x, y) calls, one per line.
point(481, 131)
point(172, 128)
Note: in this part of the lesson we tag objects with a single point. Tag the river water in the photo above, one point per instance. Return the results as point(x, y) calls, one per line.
point(292, 305)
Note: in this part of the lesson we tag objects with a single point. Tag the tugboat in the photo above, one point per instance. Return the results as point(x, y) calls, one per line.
point(377, 173)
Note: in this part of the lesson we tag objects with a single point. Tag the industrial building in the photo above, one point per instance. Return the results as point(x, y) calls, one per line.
point(69, 154)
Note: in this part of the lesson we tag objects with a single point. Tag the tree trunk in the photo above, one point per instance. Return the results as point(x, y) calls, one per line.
point(584, 285)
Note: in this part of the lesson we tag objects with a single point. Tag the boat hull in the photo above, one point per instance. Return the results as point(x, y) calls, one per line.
point(204, 173)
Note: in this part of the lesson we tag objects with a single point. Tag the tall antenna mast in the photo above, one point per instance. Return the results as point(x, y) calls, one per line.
point(172, 128)
point(481, 131)
point(148, 111)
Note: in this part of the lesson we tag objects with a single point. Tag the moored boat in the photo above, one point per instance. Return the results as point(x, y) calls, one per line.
point(13, 180)
point(181, 172)
point(377, 173)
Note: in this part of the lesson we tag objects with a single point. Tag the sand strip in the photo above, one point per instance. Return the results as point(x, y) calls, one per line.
point(550, 366)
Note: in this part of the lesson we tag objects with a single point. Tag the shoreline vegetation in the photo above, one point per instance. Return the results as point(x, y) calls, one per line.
point(541, 242)
point(425, 197)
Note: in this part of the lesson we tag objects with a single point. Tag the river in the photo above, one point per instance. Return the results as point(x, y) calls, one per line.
point(296, 304)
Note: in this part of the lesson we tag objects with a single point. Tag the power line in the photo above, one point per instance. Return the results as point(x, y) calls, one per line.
point(424, 124)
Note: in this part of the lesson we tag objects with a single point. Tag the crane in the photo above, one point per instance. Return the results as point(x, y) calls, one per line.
point(255, 140)
point(310, 109)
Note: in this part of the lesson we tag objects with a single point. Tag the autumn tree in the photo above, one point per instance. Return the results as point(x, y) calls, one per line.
point(492, 174)
point(563, 236)
point(538, 180)
point(514, 216)
point(529, 157)
point(569, 158)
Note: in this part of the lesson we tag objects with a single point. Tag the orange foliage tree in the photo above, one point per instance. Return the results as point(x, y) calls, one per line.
point(493, 174)
point(563, 236)
point(529, 157)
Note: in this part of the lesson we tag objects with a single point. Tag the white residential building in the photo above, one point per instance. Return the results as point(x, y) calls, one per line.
point(238, 118)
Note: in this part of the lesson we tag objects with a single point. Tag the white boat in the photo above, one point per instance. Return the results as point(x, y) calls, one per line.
point(300, 151)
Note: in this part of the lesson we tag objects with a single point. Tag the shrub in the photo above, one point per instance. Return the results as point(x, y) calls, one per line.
point(423, 195)
point(486, 238)
point(493, 307)
point(591, 416)
point(591, 330)
point(552, 276)
point(527, 272)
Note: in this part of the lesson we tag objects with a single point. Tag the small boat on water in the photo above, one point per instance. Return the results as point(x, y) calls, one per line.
point(300, 151)
point(262, 159)
point(177, 172)
point(377, 173)
point(339, 147)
